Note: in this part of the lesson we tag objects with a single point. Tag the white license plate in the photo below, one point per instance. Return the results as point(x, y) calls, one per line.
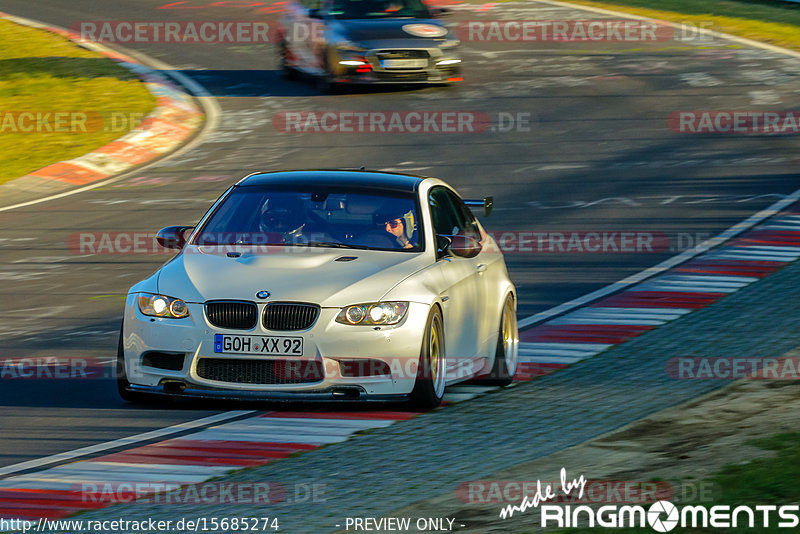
point(404, 63)
point(266, 345)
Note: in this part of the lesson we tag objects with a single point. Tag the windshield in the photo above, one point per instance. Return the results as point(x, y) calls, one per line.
point(258, 215)
point(368, 9)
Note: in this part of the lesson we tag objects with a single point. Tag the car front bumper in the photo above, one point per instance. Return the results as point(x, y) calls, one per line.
point(330, 349)
point(376, 67)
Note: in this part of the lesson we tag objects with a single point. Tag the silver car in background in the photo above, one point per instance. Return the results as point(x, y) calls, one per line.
point(368, 41)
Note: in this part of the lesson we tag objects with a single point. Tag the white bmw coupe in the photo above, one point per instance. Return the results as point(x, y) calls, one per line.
point(323, 285)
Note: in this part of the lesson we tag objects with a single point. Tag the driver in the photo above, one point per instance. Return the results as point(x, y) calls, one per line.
point(399, 225)
point(284, 215)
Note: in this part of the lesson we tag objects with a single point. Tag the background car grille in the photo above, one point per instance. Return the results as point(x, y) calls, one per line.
point(404, 76)
point(260, 371)
point(402, 54)
point(289, 316)
point(240, 315)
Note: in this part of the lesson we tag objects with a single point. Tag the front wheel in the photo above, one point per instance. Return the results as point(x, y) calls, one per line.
point(122, 377)
point(430, 382)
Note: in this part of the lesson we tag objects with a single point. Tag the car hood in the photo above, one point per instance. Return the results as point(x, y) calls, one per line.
point(297, 274)
point(371, 32)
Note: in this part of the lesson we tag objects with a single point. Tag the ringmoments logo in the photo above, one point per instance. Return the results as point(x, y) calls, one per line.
point(661, 516)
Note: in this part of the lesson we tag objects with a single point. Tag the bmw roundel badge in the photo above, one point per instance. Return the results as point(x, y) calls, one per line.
point(263, 294)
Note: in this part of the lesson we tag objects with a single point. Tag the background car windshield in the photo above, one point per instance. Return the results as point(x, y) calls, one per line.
point(324, 218)
point(366, 9)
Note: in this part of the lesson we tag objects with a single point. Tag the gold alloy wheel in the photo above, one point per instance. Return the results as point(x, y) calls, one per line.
point(510, 337)
point(436, 359)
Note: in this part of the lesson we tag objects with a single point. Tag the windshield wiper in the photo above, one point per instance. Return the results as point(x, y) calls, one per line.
point(334, 245)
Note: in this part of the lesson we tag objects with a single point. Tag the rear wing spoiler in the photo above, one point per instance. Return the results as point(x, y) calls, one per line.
point(487, 204)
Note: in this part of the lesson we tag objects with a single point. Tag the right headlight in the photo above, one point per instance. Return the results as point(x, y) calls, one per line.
point(162, 306)
point(375, 313)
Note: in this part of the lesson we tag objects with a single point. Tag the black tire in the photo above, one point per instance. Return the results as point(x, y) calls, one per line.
point(428, 391)
point(500, 375)
point(324, 82)
point(122, 379)
point(287, 72)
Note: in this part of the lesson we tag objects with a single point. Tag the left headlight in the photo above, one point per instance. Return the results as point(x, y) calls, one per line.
point(161, 306)
point(375, 313)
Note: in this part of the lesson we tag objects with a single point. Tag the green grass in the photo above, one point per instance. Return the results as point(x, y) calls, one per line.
point(767, 21)
point(42, 71)
point(771, 480)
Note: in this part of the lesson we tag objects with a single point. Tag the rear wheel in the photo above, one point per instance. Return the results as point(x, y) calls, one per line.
point(507, 352)
point(430, 382)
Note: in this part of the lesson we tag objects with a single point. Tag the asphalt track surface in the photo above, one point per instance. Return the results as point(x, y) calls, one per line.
point(598, 157)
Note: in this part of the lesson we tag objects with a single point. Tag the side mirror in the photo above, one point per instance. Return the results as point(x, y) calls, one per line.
point(173, 236)
point(464, 246)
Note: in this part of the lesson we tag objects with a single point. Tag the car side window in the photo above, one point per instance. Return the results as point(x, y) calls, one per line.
point(451, 216)
point(443, 212)
point(470, 223)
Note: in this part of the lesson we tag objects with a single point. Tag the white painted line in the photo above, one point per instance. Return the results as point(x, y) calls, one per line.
point(567, 319)
point(123, 442)
point(698, 283)
point(782, 226)
point(650, 313)
point(284, 437)
point(116, 472)
point(752, 256)
point(689, 286)
point(771, 248)
point(552, 359)
point(672, 288)
point(559, 353)
point(582, 347)
point(708, 278)
point(268, 424)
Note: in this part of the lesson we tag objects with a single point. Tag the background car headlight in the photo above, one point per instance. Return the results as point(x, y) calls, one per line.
point(161, 306)
point(373, 314)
